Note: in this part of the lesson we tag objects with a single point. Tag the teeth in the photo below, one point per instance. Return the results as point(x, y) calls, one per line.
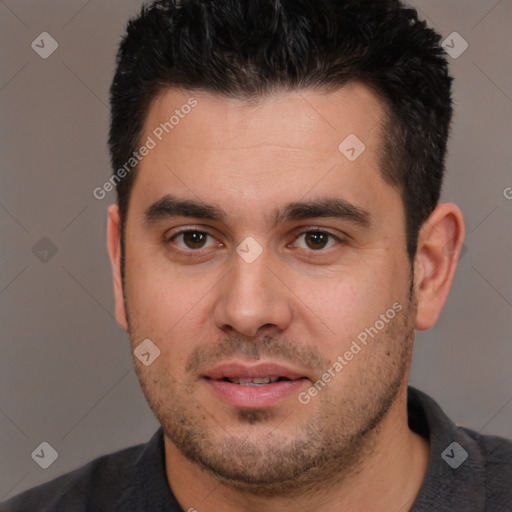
point(257, 381)
point(261, 380)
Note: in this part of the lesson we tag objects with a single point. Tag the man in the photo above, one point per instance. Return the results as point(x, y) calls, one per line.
point(276, 241)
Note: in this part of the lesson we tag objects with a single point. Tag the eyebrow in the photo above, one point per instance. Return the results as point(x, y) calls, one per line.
point(170, 206)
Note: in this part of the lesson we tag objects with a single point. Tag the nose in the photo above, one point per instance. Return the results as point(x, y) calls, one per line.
point(252, 298)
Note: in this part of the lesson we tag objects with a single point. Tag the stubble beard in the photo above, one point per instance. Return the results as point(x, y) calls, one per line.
point(328, 447)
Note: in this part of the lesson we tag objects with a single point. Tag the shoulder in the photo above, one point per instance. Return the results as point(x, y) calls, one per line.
point(497, 466)
point(90, 487)
point(467, 470)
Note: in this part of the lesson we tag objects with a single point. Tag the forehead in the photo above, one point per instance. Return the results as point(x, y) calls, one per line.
point(279, 147)
point(306, 118)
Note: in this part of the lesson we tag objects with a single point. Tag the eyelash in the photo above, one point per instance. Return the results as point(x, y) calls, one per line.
point(296, 237)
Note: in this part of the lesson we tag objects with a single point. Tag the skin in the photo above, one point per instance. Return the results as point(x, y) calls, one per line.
point(300, 303)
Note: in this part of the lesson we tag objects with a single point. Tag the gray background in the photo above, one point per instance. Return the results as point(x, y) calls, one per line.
point(65, 369)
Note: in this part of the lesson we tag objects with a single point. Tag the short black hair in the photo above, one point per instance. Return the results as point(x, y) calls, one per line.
point(250, 48)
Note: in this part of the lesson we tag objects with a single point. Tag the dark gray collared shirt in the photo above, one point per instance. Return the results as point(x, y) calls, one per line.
point(467, 472)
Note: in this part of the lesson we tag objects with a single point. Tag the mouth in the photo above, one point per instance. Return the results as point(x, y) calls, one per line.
point(256, 381)
point(254, 387)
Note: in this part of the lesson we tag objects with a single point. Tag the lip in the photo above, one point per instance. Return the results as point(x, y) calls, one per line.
point(254, 397)
point(234, 370)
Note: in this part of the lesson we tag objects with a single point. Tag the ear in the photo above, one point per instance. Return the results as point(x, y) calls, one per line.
point(440, 242)
point(114, 250)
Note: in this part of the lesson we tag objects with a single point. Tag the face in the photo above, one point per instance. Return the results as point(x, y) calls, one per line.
point(269, 266)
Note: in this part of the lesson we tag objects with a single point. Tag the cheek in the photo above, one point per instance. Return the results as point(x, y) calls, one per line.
point(164, 305)
point(160, 310)
point(153, 290)
point(347, 302)
point(167, 306)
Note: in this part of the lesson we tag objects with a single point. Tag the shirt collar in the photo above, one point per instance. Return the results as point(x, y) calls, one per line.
point(446, 487)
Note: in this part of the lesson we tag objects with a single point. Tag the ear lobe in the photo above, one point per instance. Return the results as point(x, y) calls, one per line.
point(114, 250)
point(440, 243)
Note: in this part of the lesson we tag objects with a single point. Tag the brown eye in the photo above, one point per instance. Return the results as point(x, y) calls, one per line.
point(191, 239)
point(316, 240)
point(194, 239)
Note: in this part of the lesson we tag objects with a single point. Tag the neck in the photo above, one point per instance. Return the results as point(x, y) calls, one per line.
point(392, 467)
